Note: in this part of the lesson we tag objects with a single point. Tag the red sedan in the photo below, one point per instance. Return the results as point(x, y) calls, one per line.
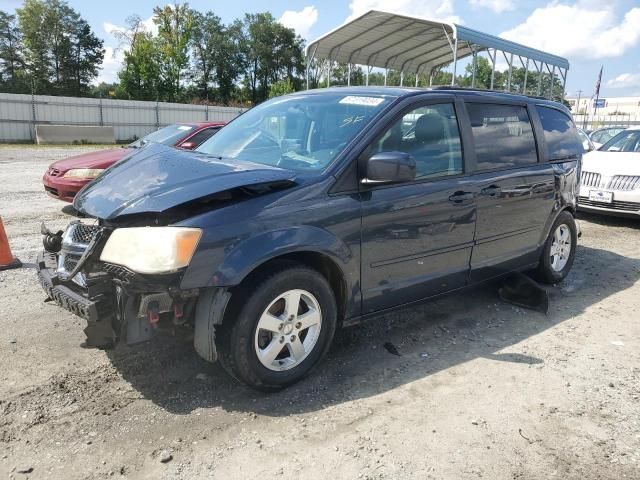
point(64, 178)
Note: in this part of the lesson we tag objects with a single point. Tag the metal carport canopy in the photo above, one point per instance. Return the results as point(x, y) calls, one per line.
point(417, 45)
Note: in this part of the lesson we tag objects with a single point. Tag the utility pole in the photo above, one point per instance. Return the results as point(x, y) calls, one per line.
point(578, 105)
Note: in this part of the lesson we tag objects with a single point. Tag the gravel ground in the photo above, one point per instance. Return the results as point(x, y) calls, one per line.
point(481, 390)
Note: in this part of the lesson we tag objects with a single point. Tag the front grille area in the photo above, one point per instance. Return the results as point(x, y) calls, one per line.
point(83, 234)
point(54, 172)
point(615, 205)
point(70, 262)
point(590, 179)
point(52, 191)
point(624, 182)
point(117, 271)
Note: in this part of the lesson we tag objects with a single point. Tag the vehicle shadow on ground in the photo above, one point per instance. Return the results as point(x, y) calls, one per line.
point(430, 338)
point(610, 220)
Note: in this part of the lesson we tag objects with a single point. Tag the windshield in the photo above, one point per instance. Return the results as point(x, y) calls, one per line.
point(297, 132)
point(168, 135)
point(605, 134)
point(627, 141)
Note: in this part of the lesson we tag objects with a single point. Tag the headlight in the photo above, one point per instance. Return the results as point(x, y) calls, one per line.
point(151, 249)
point(84, 173)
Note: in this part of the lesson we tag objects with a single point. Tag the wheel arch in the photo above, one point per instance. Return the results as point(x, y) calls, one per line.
point(322, 262)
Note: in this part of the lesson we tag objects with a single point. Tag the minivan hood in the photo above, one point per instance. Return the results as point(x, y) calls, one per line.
point(158, 178)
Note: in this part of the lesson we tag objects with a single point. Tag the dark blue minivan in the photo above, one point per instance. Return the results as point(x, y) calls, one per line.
point(315, 210)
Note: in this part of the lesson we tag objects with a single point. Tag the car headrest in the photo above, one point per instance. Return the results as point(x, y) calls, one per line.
point(429, 128)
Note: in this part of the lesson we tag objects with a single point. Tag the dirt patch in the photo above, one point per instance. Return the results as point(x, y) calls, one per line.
point(481, 389)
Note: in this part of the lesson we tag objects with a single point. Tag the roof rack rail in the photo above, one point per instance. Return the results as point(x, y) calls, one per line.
point(471, 89)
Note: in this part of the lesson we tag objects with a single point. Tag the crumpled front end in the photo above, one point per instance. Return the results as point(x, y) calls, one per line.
point(117, 303)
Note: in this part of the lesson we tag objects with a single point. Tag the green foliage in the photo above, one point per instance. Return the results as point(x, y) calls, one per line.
point(12, 75)
point(48, 48)
point(175, 24)
point(272, 52)
point(281, 87)
point(62, 54)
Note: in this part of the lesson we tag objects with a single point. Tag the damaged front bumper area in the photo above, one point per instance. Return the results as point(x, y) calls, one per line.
point(118, 304)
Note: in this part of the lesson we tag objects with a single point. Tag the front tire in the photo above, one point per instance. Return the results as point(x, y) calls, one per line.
point(559, 250)
point(281, 330)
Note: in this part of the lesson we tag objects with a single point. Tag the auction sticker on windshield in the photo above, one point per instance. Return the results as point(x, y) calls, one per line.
point(364, 101)
point(600, 196)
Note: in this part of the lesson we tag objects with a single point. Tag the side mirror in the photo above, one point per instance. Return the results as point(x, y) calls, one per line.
point(188, 145)
point(390, 167)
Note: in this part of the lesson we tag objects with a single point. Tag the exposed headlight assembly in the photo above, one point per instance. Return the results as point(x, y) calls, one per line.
point(83, 172)
point(151, 249)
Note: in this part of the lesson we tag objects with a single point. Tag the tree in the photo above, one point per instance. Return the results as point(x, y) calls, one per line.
point(281, 87)
point(206, 42)
point(272, 52)
point(86, 56)
point(11, 59)
point(141, 78)
point(231, 62)
point(62, 54)
point(341, 71)
point(175, 24)
point(317, 68)
point(483, 75)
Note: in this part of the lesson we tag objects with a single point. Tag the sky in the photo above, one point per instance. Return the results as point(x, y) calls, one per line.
point(589, 33)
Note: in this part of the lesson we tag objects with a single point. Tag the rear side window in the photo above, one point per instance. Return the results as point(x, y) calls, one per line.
point(560, 134)
point(502, 135)
point(202, 135)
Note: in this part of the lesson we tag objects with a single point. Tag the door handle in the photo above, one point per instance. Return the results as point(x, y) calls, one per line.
point(460, 197)
point(491, 191)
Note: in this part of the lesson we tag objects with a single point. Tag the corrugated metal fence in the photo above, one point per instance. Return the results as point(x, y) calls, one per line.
point(130, 119)
point(593, 122)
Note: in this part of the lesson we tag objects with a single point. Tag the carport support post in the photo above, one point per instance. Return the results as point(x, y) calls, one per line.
point(328, 73)
point(455, 61)
point(526, 74)
point(348, 74)
point(385, 76)
point(367, 75)
point(310, 59)
point(510, 72)
point(401, 78)
point(474, 66)
point(553, 81)
point(540, 74)
point(493, 65)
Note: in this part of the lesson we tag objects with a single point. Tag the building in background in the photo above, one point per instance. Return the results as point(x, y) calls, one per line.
point(623, 111)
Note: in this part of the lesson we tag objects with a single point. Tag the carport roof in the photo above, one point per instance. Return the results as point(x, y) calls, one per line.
point(412, 44)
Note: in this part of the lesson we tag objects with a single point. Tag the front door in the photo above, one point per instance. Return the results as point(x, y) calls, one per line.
point(507, 184)
point(417, 236)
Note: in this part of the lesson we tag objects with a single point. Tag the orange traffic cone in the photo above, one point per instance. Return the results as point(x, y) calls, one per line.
point(7, 260)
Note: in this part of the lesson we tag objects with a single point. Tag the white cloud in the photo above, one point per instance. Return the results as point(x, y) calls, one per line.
point(114, 55)
point(625, 80)
point(497, 6)
point(110, 66)
point(147, 25)
point(435, 9)
point(301, 21)
point(584, 29)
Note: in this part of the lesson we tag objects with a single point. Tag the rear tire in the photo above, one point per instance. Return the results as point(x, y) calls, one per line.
point(559, 250)
point(279, 327)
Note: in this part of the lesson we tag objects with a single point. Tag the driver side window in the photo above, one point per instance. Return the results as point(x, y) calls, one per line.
point(430, 135)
